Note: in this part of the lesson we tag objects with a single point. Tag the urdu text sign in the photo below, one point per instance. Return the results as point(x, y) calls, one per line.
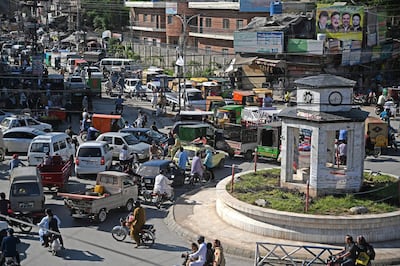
point(258, 42)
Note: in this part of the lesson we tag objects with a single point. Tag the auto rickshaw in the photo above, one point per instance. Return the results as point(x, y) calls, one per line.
point(378, 131)
point(213, 102)
point(107, 123)
point(245, 98)
point(229, 114)
point(269, 140)
point(260, 94)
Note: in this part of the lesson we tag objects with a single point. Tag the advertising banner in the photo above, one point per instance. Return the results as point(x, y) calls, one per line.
point(254, 5)
point(340, 22)
point(258, 42)
point(305, 46)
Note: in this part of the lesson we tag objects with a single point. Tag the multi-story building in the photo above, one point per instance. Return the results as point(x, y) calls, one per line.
point(210, 26)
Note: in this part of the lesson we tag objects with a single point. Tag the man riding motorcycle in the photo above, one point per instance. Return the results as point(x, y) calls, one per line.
point(162, 185)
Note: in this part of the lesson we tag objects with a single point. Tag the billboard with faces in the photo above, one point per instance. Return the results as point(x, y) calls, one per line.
point(340, 22)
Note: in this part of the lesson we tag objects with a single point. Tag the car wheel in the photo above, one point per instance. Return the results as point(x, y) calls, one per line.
point(2, 154)
point(129, 205)
point(221, 163)
point(102, 216)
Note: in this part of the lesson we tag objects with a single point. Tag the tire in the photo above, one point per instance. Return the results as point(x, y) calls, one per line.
point(23, 227)
point(248, 155)
point(83, 137)
point(129, 205)
point(377, 153)
point(101, 216)
point(2, 154)
point(147, 238)
point(221, 163)
point(118, 234)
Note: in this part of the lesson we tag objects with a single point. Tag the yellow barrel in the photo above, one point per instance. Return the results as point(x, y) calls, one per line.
point(99, 189)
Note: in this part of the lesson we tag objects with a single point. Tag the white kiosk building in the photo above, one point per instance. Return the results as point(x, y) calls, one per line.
point(323, 119)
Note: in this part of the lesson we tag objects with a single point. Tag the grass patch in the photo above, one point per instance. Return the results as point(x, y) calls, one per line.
point(379, 195)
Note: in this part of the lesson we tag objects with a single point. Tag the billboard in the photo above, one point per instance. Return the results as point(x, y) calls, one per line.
point(305, 46)
point(258, 42)
point(340, 22)
point(254, 5)
point(171, 8)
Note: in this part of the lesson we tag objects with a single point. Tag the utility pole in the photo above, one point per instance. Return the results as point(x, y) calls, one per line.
point(182, 52)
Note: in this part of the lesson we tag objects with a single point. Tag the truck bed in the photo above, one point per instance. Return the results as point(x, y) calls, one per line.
point(80, 196)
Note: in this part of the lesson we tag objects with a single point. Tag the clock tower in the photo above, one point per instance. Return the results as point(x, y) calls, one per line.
point(332, 94)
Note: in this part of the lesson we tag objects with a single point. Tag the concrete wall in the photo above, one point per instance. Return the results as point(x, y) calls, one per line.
point(304, 227)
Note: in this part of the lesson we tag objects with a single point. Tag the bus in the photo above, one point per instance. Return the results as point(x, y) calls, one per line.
point(116, 64)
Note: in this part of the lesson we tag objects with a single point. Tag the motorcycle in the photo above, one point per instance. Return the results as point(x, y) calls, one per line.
point(158, 199)
point(147, 235)
point(21, 220)
point(378, 109)
point(54, 244)
point(10, 261)
point(376, 152)
point(131, 164)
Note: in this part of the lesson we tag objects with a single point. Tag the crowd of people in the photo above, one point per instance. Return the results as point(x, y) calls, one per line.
point(204, 254)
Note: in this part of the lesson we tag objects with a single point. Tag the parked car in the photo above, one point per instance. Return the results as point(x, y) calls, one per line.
point(24, 121)
point(218, 158)
point(18, 139)
point(92, 157)
point(116, 140)
point(150, 169)
point(147, 135)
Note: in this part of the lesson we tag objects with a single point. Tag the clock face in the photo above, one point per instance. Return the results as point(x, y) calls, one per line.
point(335, 98)
point(308, 97)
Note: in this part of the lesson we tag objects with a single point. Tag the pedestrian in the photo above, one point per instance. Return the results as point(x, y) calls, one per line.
point(198, 258)
point(138, 219)
point(85, 103)
point(208, 163)
point(5, 205)
point(154, 99)
point(176, 146)
point(347, 257)
point(9, 247)
point(342, 149)
point(69, 131)
point(219, 257)
point(15, 162)
point(127, 125)
point(267, 101)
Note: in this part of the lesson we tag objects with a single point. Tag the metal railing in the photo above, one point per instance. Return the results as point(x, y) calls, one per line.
point(272, 254)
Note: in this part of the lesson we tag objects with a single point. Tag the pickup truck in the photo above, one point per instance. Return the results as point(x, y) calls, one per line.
point(191, 98)
point(112, 190)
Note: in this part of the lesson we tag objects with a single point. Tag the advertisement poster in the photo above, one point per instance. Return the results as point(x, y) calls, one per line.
point(340, 22)
point(254, 5)
point(258, 42)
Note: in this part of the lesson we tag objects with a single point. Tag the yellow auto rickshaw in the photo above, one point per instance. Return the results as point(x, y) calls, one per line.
point(378, 131)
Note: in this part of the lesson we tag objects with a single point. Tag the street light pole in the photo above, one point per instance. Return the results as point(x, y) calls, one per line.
point(182, 45)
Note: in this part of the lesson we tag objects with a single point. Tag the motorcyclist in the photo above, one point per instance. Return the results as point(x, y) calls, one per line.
point(162, 185)
point(197, 166)
point(119, 104)
point(9, 247)
point(91, 133)
point(154, 151)
point(48, 223)
point(15, 162)
point(369, 146)
point(136, 222)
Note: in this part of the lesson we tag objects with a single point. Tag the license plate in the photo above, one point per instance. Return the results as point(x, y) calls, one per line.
point(147, 181)
point(25, 205)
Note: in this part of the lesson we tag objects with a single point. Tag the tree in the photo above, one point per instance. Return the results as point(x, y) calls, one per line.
point(105, 14)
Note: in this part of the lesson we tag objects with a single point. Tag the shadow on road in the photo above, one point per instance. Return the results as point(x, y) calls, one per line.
point(79, 255)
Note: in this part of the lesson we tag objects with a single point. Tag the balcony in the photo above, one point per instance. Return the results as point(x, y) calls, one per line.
point(147, 26)
point(211, 33)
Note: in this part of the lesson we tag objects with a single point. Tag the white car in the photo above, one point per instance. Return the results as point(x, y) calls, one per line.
point(92, 157)
point(18, 139)
point(24, 121)
point(132, 86)
point(117, 140)
point(4, 114)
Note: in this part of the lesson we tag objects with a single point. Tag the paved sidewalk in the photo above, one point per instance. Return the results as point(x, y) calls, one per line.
point(195, 214)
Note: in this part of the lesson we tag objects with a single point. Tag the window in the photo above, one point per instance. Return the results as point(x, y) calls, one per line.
point(225, 23)
point(225, 52)
point(153, 18)
point(144, 17)
point(63, 145)
point(89, 152)
point(56, 147)
point(107, 139)
point(119, 141)
point(40, 147)
point(208, 49)
point(208, 22)
point(239, 24)
point(169, 19)
point(32, 122)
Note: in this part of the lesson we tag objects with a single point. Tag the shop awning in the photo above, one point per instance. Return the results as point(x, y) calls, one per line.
point(271, 62)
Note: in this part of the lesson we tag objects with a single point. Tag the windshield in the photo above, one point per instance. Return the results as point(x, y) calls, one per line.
point(148, 170)
point(131, 140)
point(25, 189)
point(155, 134)
point(40, 147)
point(194, 96)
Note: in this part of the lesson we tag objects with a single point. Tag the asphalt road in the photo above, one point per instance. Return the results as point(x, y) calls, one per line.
point(88, 243)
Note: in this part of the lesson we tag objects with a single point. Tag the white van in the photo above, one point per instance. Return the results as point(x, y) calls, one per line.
point(55, 143)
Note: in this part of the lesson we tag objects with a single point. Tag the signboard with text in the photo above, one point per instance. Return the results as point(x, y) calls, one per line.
point(258, 42)
point(254, 5)
point(340, 22)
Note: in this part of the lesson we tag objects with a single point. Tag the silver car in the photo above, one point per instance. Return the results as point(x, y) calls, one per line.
point(17, 139)
point(24, 121)
point(117, 140)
